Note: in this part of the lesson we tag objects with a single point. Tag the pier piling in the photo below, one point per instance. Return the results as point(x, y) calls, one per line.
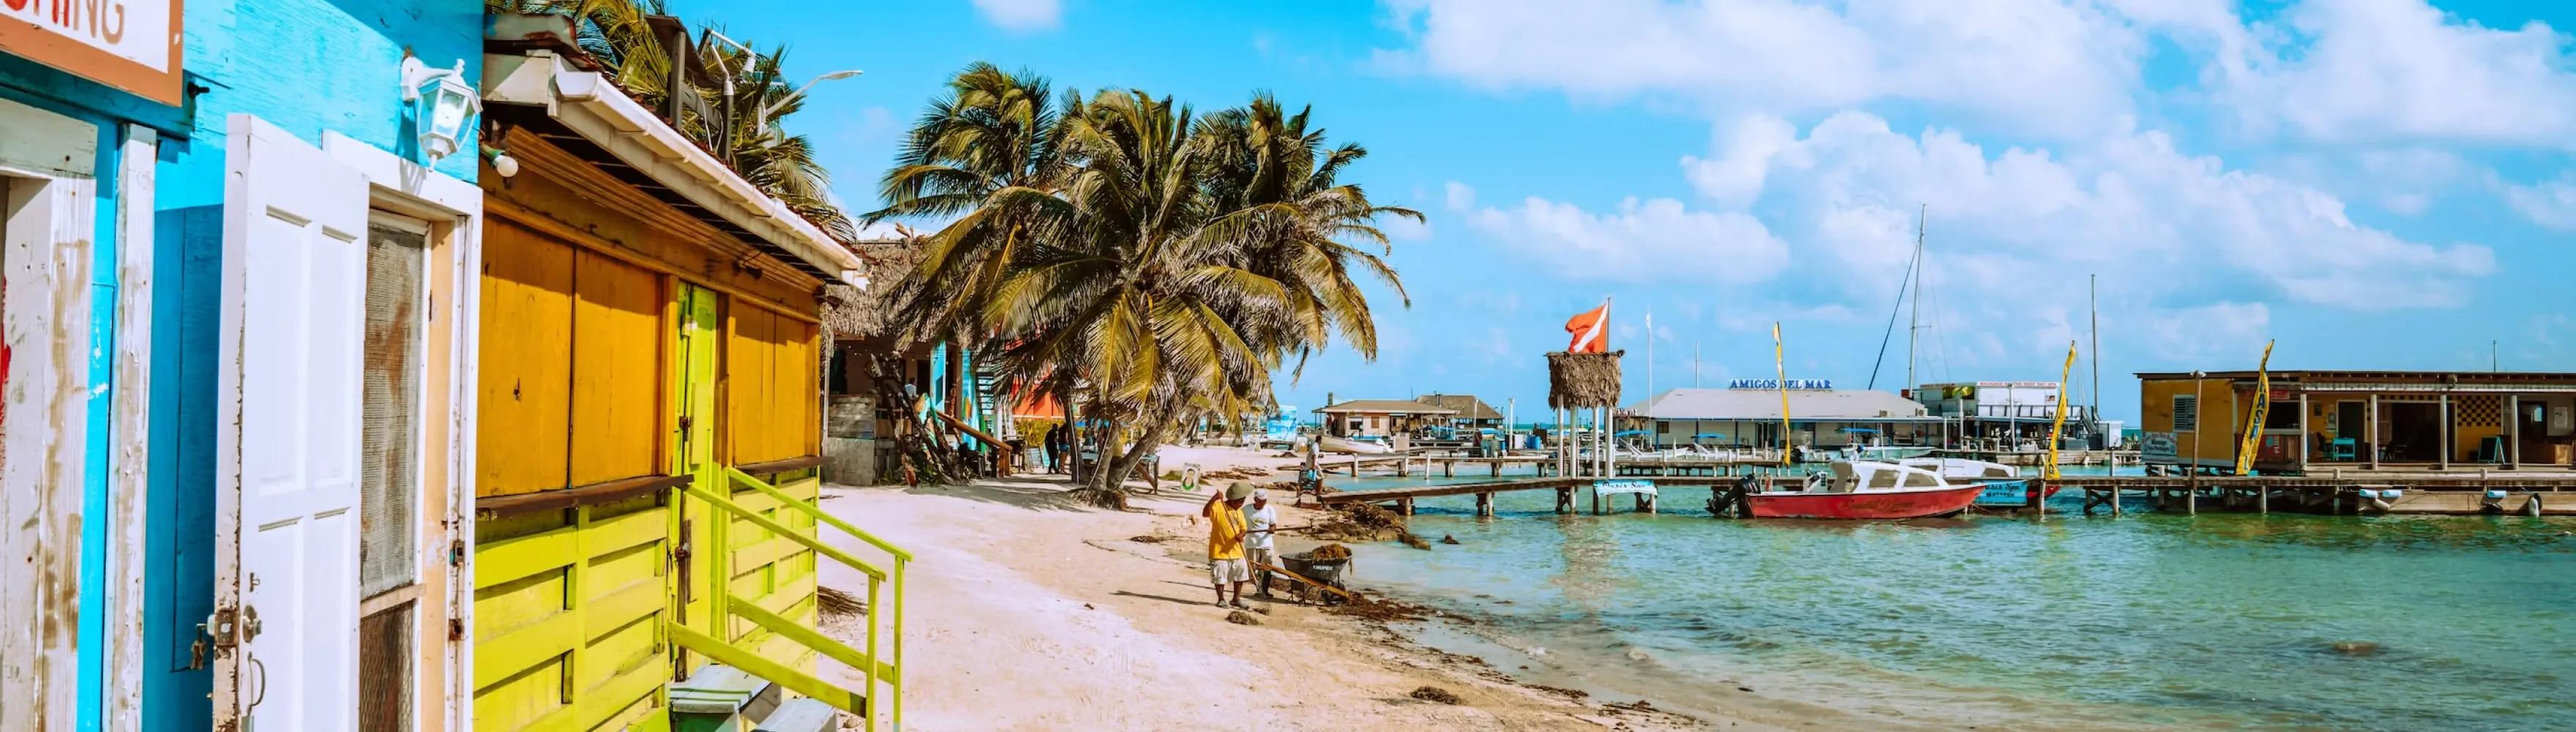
point(1484, 504)
point(1564, 500)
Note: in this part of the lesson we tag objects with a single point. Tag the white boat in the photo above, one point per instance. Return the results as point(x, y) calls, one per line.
point(2005, 485)
point(1348, 446)
point(1866, 490)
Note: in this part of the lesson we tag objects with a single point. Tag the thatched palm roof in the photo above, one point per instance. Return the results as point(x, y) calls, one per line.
point(1576, 380)
point(853, 314)
point(1466, 405)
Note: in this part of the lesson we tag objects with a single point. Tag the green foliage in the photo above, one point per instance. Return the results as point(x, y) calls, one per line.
point(758, 146)
point(1155, 264)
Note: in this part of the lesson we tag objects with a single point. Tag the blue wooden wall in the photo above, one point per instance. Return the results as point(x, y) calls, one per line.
point(307, 66)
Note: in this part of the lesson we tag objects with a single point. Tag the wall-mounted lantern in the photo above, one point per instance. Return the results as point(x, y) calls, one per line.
point(443, 104)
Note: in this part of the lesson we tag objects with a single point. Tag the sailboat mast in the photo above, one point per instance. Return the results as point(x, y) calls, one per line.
point(1914, 321)
point(2093, 310)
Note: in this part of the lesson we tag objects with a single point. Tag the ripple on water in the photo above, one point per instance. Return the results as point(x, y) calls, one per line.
point(2222, 620)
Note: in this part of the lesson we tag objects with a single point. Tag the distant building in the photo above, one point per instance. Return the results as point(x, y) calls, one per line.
point(1380, 417)
point(1472, 413)
point(2002, 410)
point(2361, 419)
point(1747, 414)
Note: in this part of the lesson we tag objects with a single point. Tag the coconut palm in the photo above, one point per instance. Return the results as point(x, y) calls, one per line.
point(1157, 265)
point(781, 165)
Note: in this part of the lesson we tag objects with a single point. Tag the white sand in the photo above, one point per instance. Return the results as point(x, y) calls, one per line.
point(1029, 611)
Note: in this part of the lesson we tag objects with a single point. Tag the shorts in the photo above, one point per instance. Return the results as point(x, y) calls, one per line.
point(1229, 570)
point(1263, 555)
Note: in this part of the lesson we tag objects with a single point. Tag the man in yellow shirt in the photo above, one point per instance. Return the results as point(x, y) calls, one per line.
point(1225, 543)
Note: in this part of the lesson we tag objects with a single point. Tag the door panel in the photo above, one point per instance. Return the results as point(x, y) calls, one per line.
point(693, 454)
point(287, 473)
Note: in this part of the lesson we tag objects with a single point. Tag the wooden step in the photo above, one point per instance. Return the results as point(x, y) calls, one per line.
point(801, 715)
point(720, 698)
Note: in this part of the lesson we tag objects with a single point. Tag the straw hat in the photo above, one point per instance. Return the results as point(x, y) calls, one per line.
point(1240, 490)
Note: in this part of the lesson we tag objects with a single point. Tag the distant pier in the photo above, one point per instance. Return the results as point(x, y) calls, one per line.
point(2487, 493)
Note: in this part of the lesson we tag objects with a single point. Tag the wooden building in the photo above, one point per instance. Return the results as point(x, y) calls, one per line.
point(1471, 413)
point(1380, 417)
point(650, 411)
point(2362, 420)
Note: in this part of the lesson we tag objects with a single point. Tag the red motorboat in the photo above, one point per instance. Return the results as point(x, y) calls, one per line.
point(1868, 491)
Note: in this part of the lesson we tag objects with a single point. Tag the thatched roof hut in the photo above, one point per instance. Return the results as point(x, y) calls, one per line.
point(1576, 380)
point(850, 313)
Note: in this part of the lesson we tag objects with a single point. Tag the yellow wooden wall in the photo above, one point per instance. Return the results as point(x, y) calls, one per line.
point(774, 572)
point(772, 387)
point(575, 386)
point(524, 374)
point(567, 618)
point(570, 375)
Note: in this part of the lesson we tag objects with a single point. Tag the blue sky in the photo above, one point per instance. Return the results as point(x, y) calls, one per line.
point(2375, 183)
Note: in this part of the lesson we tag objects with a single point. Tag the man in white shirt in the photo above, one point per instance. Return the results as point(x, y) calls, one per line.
point(1259, 520)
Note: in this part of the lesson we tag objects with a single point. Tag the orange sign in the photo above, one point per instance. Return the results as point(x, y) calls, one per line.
point(128, 44)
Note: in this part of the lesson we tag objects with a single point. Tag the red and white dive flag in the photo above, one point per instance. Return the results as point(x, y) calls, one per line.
point(1591, 331)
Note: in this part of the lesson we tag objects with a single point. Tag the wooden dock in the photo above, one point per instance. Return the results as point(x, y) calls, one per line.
point(2533, 494)
point(1406, 465)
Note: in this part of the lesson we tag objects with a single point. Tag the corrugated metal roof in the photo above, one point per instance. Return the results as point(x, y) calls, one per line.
point(1818, 404)
point(1395, 406)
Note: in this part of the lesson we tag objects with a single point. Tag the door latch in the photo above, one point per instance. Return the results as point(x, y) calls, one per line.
point(220, 627)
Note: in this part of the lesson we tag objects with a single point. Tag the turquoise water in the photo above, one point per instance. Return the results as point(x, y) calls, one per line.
point(2219, 620)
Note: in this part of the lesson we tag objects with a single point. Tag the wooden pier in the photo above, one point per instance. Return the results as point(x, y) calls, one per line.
point(1545, 465)
point(2550, 494)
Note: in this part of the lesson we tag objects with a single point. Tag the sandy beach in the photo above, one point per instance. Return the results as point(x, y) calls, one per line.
point(1031, 611)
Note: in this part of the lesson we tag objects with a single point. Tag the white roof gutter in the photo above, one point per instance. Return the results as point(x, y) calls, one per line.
point(590, 106)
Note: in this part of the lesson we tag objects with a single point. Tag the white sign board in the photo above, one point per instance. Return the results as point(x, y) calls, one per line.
point(128, 44)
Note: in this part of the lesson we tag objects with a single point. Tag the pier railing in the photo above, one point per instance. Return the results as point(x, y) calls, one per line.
point(885, 669)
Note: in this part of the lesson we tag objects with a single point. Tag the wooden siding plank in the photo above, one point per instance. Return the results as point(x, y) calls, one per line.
point(502, 655)
point(617, 336)
point(524, 377)
point(502, 562)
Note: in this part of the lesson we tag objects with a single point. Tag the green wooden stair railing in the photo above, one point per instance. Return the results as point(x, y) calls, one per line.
point(879, 669)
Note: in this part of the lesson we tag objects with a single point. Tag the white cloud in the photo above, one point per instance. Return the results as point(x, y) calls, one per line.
point(2193, 335)
point(1402, 228)
point(2399, 70)
point(2055, 66)
point(1645, 240)
point(1022, 15)
point(2128, 202)
point(1459, 196)
point(2551, 204)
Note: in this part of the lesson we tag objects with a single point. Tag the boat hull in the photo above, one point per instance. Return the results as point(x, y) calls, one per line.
point(2009, 492)
point(1864, 506)
point(1351, 447)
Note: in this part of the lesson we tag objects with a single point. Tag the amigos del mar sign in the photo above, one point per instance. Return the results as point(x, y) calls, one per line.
point(128, 44)
point(1796, 384)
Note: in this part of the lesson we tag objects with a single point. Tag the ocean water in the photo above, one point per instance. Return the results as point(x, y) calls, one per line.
point(2150, 620)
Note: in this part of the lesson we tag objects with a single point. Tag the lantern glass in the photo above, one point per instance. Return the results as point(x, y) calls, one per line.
point(448, 106)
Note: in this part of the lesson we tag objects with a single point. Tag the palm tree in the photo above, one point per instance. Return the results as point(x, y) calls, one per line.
point(779, 164)
point(1158, 266)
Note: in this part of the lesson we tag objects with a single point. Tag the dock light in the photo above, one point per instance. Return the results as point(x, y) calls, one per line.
point(442, 105)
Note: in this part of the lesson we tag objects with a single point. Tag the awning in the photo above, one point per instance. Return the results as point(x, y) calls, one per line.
point(591, 107)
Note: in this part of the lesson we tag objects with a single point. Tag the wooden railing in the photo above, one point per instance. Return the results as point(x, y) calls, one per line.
point(869, 663)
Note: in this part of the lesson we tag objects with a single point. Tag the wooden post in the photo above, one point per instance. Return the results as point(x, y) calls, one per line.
point(1404, 506)
point(1498, 468)
point(1646, 502)
point(1596, 501)
point(2115, 500)
point(2513, 431)
point(2190, 503)
point(1403, 465)
point(1484, 504)
point(2304, 447)
point(1564, 500)
point(2445, 462)
point(2370, 431)
point(2263, 500)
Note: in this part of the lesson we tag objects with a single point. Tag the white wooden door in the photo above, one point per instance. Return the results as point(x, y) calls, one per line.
point(286, 567)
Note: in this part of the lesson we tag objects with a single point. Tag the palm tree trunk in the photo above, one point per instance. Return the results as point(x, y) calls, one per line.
point(1126, 465)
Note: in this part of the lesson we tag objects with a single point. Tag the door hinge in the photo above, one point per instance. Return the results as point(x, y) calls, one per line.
point(456, 553)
